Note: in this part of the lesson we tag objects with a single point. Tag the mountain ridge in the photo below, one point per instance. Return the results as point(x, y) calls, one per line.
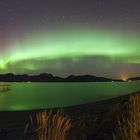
point(45, 77)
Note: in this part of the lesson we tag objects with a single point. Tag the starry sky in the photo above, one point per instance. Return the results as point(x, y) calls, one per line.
point(64, 37)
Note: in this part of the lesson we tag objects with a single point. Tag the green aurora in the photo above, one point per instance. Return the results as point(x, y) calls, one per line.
point(50, 51)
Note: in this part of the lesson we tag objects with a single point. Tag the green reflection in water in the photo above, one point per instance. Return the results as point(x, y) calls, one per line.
point(24, 96)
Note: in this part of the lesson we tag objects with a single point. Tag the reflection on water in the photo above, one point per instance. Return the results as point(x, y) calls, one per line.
point(22, 96)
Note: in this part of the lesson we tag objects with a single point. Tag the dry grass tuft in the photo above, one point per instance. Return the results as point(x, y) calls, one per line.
point(129, 121)
point(52, 126)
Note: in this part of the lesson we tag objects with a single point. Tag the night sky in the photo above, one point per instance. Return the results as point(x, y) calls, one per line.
point(64, 37)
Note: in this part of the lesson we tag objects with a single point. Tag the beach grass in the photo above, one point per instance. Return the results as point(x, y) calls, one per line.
point(129, 120)
point(50, 126)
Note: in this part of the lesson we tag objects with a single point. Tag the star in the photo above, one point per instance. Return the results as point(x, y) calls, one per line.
point(12, 18)
point(10, 10)
point(100, 3)
point(63, 17)
point(45, 17)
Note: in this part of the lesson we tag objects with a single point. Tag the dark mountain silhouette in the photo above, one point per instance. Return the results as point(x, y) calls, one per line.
point(33, 78)
point(44, 77)
point(86, 78)
point(134, 79)
point(14, 78)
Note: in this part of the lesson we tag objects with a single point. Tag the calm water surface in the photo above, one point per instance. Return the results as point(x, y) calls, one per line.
point(24, 96)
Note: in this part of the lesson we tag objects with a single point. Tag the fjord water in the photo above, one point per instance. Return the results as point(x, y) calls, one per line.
point(25, 96)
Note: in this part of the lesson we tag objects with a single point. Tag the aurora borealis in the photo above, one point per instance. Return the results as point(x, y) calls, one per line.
point(70, 38)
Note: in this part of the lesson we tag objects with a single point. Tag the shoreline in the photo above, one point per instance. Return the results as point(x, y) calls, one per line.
point(12, 123)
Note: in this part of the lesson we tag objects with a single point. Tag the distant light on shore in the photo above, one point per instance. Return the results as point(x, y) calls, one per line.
point(124, 79)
